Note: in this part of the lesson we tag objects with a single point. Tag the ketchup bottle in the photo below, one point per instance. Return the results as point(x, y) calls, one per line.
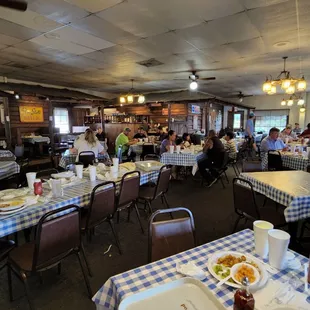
point(37, 186)
point(244, 300)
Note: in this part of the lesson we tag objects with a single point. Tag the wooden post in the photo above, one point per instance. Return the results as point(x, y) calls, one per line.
point(169, 116)
point(7, 123)
point(51, 124)
point(102, 117)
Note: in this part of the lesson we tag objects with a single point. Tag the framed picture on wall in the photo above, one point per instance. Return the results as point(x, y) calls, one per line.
point(195, 109)
point(31, 114)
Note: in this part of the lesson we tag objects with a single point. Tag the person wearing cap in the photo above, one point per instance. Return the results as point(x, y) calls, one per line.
point(249, 128)
point(123, 141)
point(140, 134)
point(288, 133)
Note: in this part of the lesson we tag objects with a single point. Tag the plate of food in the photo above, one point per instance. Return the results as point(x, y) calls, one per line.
point(221, 265)
point(11, 205)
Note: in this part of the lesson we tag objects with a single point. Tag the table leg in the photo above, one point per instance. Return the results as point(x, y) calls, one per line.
point(294, 244)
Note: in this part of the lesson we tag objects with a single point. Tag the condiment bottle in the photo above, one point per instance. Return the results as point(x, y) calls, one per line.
point(244, 300)
point(37, 186)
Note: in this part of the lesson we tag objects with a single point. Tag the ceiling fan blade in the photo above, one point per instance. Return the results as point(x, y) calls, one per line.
point(208, 78)
point(180, 79)
point(18, 5)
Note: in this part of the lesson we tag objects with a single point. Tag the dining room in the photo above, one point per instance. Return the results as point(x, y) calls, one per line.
point(154, 154)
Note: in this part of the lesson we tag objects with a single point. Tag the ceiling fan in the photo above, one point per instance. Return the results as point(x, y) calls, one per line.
point(19, 5)
point(239, 96)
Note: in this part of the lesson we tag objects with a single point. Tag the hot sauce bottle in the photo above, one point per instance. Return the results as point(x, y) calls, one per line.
point(37, 186)
point(244, 300)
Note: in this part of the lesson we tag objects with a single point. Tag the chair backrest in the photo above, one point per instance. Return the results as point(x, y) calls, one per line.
point(170, 237)
point(56, 237)
point(162, 184)
point(46, 174)
point(274, 161)
point(252, 166)
point(147, 149)
point(152, 157)
point(244, 198)
point(102, 204)
point(129, 188)
point(87, 158)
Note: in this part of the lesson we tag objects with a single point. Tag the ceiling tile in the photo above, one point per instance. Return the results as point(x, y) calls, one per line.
point(94, 5)
point(29, 19)
point(13, 30)
point(2, 46)
point(58, 10)
point(248, 48)
point(72, 41)
point(8, 40)
point(132, 19)
point(105, 30)
point(251, 4)
point(6, 69)
point(80, 62)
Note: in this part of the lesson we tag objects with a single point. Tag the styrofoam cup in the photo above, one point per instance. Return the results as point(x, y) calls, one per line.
point(261, 229)
point(115, 162)
point(278, 245)
point(92, 173)
point(171, 149)
point(79, 171)
point(178, 148)
point(31, 176)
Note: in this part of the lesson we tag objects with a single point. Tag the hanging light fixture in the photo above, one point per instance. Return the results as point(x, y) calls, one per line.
point(301, 101)
point(193, 85)
point(286, 81)
point(302, 109)
point(130, 97)
point(283, 102)
point(273, 90)
point(290, 102)
point(17, 96)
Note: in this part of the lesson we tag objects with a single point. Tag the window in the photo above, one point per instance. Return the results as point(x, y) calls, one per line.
point(264, 120)
point(237, 121)
point(61, 120)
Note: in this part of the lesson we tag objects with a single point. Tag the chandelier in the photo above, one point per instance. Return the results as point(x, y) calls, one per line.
point(289, 102)
point(288, 83)
point(129, 98)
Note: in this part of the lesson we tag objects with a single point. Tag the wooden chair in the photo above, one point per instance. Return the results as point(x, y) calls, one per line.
point(170, 237)
point(56, 239)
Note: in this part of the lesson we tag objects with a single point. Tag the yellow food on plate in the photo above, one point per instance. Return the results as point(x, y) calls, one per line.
point(230, 260)
point(128, 166)
point(11, 203)
point(4, 205)
point(245, 271)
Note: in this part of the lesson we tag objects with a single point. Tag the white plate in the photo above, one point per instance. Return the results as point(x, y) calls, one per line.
point(13, 205)
point(6, 191)
point(212, 261)
point(60, 175)
point(13, 211)
point(185, 293)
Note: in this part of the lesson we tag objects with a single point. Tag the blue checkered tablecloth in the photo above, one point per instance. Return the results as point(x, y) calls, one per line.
point(77, 194)
point(130, 282)
point(68, 159)
point(289, 161)
point(288, 188)
point(8, 168)
point(181, 159)
point(6, 155)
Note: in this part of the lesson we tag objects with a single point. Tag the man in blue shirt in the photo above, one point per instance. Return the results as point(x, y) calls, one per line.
point(249, 128)
point(272, 142)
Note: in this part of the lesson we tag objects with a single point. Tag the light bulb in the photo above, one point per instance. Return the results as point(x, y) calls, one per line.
point(290, 102)
point(267, 86)
point(302, 85)
point(130, 98)
point(193, 85)
point(302, 110)
point(301, 101)
point(290, 90)
point(283, 102)
point(285, 84)
point(122, 99)
point(141, 99)
point(121, 104)
point(272, 90)
point(17, 96)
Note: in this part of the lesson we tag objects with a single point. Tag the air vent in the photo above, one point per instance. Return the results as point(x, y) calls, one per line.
point(16, 65)
point(152, 62)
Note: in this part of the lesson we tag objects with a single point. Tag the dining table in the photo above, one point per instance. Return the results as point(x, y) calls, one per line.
point(130, 282)
point(77, 194)
point(290, 189)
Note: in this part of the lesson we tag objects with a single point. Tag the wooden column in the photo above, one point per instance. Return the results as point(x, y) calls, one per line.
point(169, 116)
point(102, 117)
point(51, 124)
point(7, 123)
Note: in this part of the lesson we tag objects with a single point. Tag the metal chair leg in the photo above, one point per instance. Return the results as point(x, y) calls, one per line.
point(226, 177)
point(85, 259)
point(90, 294)
point(221, 179)
point(25, 282)
point(139, 218)
point(10, 282)
point(118, 216)
point(236, 224)
point(128, 216)
point(59, 268)
point(115, 236)
point(149, 207)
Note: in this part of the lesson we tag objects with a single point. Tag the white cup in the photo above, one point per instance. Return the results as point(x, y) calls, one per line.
point(261, 229)
point(278, 245)
point(115, 162)
point(79, 171)
point(57, 191)
point(171, 149)
point(92, 173)
point(140, 140)
point(146, 140)
point(178, 148)
point(286, 140)
point(293, 148)
point(114, 171)
point(31, 176)
point(308, 151)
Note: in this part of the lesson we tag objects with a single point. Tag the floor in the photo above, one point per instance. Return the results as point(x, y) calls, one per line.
point(214, 218)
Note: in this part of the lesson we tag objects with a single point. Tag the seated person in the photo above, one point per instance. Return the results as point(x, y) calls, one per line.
point(297, 129)
point(306, 133)
point(288, 133)
point(123, 141)
point(214, 156)
point(166, 143)
point(141, 134)
point(272, 142)
point(230, 145)
point(186, 140)
point(100, 134)
point(161, 134)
